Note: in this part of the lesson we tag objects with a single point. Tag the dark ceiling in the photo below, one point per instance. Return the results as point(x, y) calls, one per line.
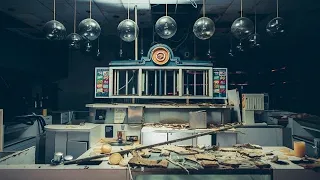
point(297, 50)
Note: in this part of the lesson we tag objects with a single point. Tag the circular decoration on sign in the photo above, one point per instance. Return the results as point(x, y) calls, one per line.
point(160, 56)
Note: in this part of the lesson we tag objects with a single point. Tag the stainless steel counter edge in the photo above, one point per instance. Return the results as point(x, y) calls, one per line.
point(157, 106)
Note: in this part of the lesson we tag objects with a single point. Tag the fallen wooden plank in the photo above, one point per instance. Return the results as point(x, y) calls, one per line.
point(214, 131)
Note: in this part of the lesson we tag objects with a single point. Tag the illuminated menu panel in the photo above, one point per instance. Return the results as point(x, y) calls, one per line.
point(220, 83)
point(102, 83)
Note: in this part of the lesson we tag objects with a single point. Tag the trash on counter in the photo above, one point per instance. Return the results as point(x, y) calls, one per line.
point(106, 148)
point(138, 161)
point(247, 146)
point(115, 159)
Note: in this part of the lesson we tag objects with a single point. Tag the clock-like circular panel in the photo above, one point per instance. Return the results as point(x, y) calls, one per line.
point(160, 55)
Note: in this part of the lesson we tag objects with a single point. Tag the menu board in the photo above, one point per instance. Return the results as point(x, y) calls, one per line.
point(220, 83)
point(102, 83)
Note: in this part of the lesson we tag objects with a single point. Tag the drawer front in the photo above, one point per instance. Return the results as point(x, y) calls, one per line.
point(78, 136)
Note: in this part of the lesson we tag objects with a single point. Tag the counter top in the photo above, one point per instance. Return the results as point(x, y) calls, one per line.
point(104, 165)
point(274, 150)
point(84, 128)
point(164, 106)
point(168, 130)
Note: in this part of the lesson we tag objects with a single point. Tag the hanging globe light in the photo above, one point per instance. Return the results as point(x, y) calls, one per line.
point(54, 30)
point(166, 27)
point(127, 30)
point(242, 28)
point(86, 48)
point(89, 29)
point(240, 47)
point(74, 41)
point(204, 28)
point(275, 27)
point(254, 40)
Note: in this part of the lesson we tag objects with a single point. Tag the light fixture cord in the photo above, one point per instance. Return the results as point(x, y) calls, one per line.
point(204, 8)
point(75, 16)
point(98, 43)
point(194, 46)
point(241, 9)
point(54, 9)
point(255, 17)
point(90, 8)
point(166, 9)
point(277, 8)
point(128, 9)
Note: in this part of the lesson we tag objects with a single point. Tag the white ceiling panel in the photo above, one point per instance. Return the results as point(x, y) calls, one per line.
point(173, 1)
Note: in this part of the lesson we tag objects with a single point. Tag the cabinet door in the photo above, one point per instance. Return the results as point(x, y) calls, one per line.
point(76, 149)
point(204, 140)
point(60, 142)
point(227, 139)
point(261, 136)
point(78, 136)
point(50, 143)
point(153, 138)
point(177, 135)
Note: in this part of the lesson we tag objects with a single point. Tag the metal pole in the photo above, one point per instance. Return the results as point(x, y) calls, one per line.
point(136, 33)
point(127, 79)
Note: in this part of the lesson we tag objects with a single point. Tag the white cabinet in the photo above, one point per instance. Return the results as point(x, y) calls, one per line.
point(226, 139)
point(177, 135)
point(70, 141)
point(156, 135)
point(76, 148)
point(148, 138)
point(262, 136)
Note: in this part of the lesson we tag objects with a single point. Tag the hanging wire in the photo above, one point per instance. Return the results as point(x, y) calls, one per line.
point(193, 3)
point(255, 17)
point(98, 43)
point(128, 9)
point(194, 46)
point(90, 8)
point(241, 9)
point(277, 8)
point(175, 11)
point(166, 9)
point(204, 8)
point(75, 16)
point(54, 9)
point(231, 41)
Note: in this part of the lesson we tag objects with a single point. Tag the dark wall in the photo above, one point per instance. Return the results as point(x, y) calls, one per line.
point(77, 89)
point(24, 64)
